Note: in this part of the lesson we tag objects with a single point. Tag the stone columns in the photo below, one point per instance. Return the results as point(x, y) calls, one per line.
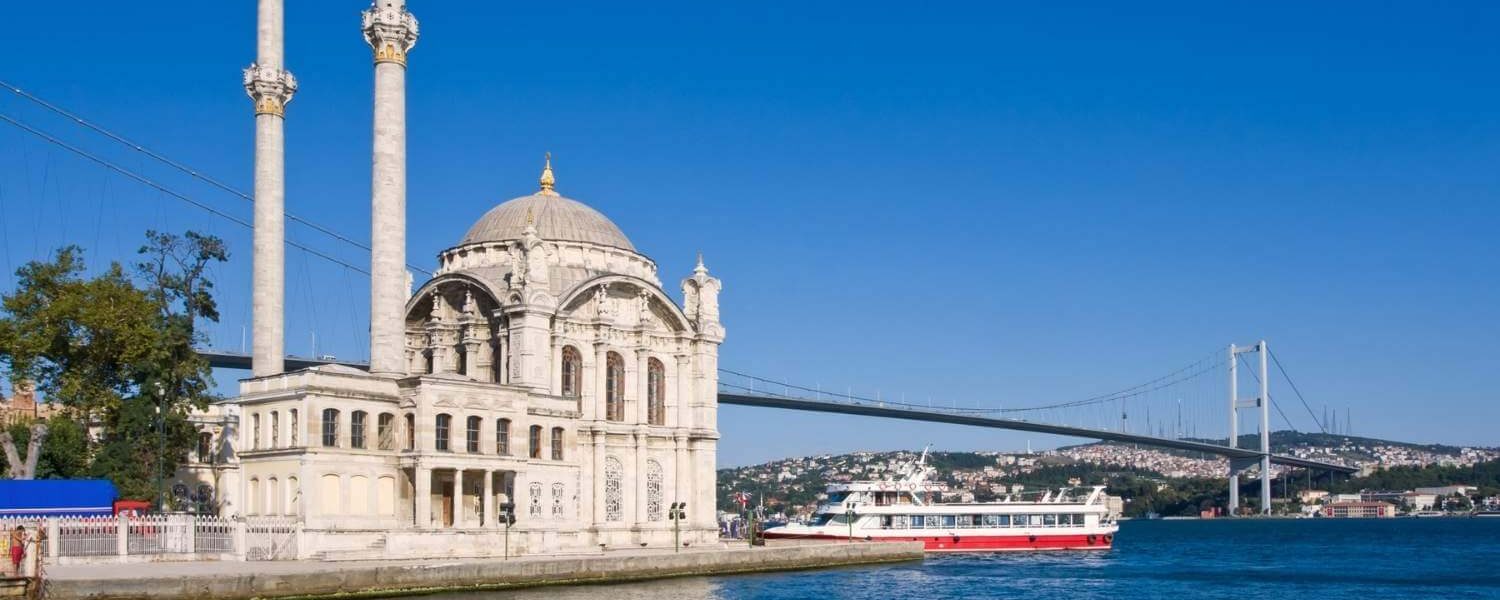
point(424, 497)
point(601, 382)
point(600, 439)
point(391, 32)
point(458, 498)
point(271, 87)
point(487, 518)
point(682, 478)
point(683, 410)
point(638, 491)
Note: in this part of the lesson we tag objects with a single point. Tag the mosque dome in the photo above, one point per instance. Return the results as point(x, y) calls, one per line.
point(556, 218)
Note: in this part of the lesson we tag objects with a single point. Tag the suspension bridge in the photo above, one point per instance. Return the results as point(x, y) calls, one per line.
point(1188, 410)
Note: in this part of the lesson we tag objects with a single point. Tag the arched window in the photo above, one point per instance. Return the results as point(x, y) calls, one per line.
point(205, 447)
point(614, 489)
point(255, 431)
point(440, 437)
point(557, 443)
point(411, 431)
point(275, 429)
point(502, 437)
point(653, 490)
point(471, 435)
point(252, 504)
point(614, 388)
point(463, 359)
point(536, 442)
point(331, 427)
point(385, 430)
point(572, 372)
point(656, 392)
point(357, 429)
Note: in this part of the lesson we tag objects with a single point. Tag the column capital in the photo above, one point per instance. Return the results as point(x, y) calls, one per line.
point(391, 32)
point(270, 88)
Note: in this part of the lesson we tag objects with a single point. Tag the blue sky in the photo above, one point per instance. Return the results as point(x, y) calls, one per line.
point(981, 203)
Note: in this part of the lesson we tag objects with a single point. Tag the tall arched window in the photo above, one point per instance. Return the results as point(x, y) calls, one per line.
point(656, 392)
point(614, 388)
point(536, 441)
point(572, 372)
point(614, 489)
point(331, 427)
point(275, 429)
point(557, 443)
point(411, 431)
point(653, 490)
point(440, 437)
point(502, 437)
point(471, 435)
point(357, 429)
point(255, 431)
point(385, 429)
point(292, 426)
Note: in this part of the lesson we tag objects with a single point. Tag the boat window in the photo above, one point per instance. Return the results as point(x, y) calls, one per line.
point(837, 497)
point(917, 521)
point(965, 521)
point(885, 521)
point(899, 522)
point(992, 520)
point(1049, 520)
point(948, 521)
point(1002, 520)
point(1036, 520)
point(822, 519)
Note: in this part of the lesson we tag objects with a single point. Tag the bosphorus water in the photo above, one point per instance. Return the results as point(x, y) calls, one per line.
point(1324, 559)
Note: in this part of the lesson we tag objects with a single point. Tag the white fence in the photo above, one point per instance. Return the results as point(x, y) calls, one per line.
point(170, 537)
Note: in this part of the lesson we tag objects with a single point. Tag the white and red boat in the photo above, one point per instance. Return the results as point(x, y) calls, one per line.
point(907, 509)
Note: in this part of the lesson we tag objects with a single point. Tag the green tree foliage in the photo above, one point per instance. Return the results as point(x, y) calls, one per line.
point(117, 352)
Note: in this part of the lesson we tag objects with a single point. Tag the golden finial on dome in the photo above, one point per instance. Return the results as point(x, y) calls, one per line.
point(548, 180)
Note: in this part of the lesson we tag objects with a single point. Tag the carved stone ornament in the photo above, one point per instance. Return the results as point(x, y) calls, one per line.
point(271, 89)
point(391, 33)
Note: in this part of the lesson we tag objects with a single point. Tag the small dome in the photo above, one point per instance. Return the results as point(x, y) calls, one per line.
point(556, 218)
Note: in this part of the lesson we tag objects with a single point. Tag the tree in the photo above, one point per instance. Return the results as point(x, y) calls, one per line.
point(118, 352)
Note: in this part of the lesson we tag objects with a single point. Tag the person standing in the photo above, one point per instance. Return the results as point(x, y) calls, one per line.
point(17, 548)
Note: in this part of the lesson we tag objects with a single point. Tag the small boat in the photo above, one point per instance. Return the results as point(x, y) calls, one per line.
point(909, 509)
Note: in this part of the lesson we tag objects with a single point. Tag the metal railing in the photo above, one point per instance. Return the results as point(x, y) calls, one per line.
point(184, 537)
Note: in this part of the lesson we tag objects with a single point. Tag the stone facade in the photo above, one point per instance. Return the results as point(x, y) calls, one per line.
point(541, 371)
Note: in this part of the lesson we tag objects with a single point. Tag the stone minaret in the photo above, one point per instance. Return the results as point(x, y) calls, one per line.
point(391, 31)
point(271, 87)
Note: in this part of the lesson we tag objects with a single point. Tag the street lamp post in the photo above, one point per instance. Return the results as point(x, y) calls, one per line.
point(849, 515)
point(677, 513)
point(507, 516)
point(161, 445)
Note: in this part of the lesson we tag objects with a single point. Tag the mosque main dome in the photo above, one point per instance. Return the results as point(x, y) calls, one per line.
point(555, 217)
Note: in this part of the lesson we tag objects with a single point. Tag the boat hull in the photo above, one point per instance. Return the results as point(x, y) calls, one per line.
point(973, 543)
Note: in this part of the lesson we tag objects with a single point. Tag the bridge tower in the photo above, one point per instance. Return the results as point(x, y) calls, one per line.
point(1263, 403)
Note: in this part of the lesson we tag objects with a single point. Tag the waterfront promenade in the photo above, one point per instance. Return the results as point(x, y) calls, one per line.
point(309, 578)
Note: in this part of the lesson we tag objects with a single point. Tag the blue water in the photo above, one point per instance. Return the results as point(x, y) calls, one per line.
point(1316, 559)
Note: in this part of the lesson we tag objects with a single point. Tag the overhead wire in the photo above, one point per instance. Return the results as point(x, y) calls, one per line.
point(1289, 381)
point(184, 168)
point(162, 188)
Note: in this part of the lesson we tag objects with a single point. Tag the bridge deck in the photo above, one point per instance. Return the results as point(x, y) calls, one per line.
point(875, 410)
point(235, 360)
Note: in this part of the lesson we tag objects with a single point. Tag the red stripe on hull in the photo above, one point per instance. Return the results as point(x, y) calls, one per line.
point(984, 543)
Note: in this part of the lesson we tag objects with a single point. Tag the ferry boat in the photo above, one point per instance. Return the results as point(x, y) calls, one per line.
point(908, 508)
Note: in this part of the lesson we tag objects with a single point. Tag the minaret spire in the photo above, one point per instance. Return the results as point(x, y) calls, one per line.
point(270, 87)
point(548, 180)
point(391, 32)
